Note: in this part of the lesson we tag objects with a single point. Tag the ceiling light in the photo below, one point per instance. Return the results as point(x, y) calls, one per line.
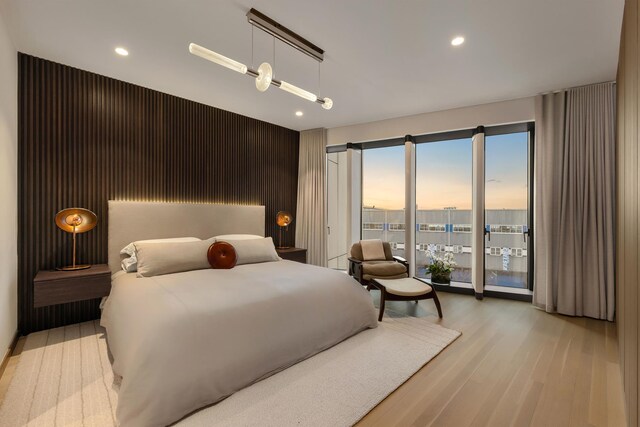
point(212, 56)
point(264, 75)
point(122, 51)
point(299, 113)
point(457, 41)
point(288, 87)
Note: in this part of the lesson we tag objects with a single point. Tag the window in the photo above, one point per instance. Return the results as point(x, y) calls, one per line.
point(372, 226)
point(443, 198)
point(433, 227)
point(444, 215)
point(383, 212)
point(507, 229)
point(495, 251)
point(507, 211)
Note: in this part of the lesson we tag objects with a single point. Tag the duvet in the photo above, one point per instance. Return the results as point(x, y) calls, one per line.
point(183, 341)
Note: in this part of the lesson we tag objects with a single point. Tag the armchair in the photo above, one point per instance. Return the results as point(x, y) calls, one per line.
point(392, 267)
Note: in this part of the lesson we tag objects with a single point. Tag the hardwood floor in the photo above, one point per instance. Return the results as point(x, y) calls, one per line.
point(513, 365)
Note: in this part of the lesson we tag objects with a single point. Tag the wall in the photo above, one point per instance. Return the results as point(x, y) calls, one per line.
point(8, 189)
point(627, 197)
point(85, 139)
point(514, 111)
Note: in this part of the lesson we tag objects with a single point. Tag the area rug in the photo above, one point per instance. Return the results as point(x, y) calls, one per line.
point(64, 378)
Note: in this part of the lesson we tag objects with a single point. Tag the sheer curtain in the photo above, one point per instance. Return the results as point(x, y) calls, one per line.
point(575, 206)
point(311, 221)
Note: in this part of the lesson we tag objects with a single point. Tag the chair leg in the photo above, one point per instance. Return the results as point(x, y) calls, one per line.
point(382, 300)
point(437, 302)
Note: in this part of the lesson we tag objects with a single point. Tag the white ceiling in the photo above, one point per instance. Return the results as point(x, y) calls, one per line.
point(383, 58)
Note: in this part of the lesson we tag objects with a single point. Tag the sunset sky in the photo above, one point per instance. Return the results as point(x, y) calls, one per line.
point(443, 174)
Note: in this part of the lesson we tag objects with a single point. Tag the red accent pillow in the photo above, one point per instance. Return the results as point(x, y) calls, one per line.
point(222, 255)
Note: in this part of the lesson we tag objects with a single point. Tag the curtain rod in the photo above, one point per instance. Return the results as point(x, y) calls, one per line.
point(576, 87)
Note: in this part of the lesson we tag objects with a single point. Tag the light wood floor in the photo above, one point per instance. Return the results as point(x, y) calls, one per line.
point(513, 365)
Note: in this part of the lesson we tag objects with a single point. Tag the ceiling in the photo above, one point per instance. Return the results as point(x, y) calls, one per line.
point(383, 58)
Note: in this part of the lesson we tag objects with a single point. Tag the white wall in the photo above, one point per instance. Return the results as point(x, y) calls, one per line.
point(514, 111)
point(8, 189)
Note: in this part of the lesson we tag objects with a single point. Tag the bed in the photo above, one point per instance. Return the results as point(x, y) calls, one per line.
point(186, 340)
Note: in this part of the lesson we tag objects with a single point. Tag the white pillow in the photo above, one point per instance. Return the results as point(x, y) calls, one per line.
point(252, 251)
point(226, 237)
point(130, 262)
point(157, 258)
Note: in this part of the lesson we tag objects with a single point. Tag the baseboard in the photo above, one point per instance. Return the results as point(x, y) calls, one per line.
point(5, 359)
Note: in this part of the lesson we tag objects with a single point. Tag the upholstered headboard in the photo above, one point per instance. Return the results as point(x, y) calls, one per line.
point(131, 221)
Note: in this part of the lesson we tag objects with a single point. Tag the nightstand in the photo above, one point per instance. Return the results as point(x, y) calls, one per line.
point(52, 287)
point(293, 254)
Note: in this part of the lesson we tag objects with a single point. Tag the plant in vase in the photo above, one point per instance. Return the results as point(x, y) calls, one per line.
point(440, 266)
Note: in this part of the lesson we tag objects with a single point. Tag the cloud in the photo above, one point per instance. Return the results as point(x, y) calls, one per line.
point(493, 180)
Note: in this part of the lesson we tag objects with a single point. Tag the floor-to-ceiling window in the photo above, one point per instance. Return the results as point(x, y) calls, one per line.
point(383, 196)
point(507, 192)
point(443, 206)
point(460, 180)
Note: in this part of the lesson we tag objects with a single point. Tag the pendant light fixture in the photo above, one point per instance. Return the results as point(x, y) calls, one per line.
point(264, 73)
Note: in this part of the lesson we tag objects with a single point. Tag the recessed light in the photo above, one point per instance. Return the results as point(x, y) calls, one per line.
point(457, 41)
point(299, 113)
point(122, 51)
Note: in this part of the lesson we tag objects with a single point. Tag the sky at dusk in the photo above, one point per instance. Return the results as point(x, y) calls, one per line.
point(443, 174)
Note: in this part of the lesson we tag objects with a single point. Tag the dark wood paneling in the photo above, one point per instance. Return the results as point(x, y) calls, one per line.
point(85, 139)
point(628, 209)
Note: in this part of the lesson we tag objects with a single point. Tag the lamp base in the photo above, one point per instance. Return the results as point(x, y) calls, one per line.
point(283, 247)
point(72, 268)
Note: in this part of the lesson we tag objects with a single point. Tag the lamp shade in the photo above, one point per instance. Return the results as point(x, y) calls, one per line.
point(83, 219)
point(284, 218)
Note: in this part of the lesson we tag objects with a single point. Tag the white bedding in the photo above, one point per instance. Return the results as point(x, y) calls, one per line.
point(183, 341)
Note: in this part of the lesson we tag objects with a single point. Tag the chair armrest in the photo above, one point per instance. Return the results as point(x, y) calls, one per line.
point(400, 260)
point(355, 268)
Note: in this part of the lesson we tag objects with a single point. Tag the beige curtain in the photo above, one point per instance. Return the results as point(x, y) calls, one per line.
point(574, 206)
point(311, 221)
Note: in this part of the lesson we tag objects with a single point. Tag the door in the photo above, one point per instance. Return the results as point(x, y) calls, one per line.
point(507, 211)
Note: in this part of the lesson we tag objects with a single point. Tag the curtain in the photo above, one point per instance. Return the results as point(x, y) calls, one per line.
point(477, 239)
point(311, 221)
point(575, 206)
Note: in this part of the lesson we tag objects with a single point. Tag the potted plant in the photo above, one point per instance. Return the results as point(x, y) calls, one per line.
point(441, 266)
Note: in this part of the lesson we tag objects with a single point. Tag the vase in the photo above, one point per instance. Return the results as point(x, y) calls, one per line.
point(441, 278)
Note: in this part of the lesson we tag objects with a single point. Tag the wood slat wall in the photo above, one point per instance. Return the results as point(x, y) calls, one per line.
point(85, 139)
point(628, 197)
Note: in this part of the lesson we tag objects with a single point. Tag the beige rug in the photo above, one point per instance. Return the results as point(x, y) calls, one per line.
point(64, 378)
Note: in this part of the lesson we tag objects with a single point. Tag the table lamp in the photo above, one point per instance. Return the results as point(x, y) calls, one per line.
point(283, 219)
point(75, 220)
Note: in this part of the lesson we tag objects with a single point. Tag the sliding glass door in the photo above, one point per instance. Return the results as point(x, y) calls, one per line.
point(443, 206)
point(507, 195)
point(383, 196)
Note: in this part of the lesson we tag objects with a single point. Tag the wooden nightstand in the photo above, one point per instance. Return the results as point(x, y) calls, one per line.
point(52, 287)
point(293, 254)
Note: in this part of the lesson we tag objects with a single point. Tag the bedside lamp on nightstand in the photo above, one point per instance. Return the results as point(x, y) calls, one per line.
point(283, 219)
point(75, 220)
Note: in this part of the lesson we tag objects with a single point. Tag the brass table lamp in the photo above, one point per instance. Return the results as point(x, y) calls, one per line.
point(75, 220)
point(283, 219)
